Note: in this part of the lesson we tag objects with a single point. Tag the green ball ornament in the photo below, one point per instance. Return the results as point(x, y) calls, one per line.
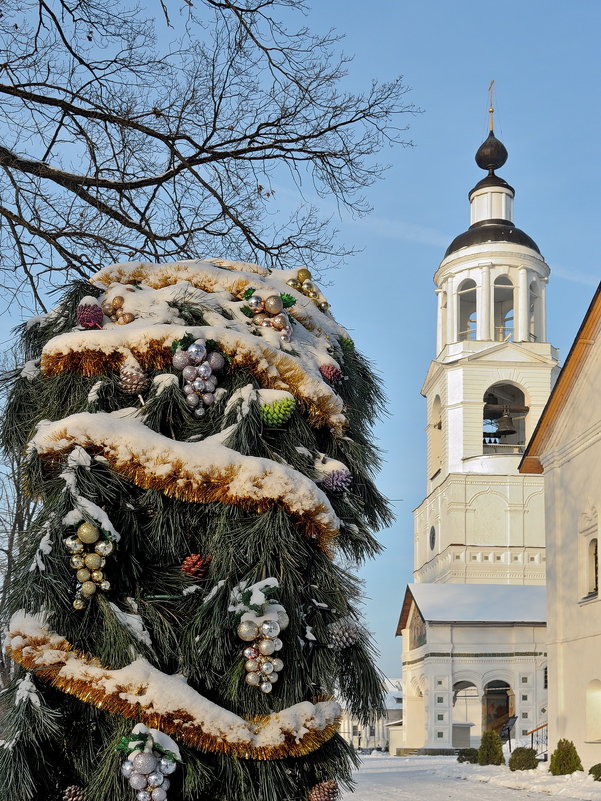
point(279, 412)
point(88, 533)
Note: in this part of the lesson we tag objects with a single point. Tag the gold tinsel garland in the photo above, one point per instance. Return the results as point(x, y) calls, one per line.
point(53, 659)
point(142, 459)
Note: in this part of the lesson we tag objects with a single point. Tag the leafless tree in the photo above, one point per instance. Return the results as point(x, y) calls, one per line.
point(117, 143)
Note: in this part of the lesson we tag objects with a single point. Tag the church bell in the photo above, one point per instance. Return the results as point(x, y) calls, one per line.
point(505, 425)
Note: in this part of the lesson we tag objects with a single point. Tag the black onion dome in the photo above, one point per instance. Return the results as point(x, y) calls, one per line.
point(491, 154)
point(491, 231)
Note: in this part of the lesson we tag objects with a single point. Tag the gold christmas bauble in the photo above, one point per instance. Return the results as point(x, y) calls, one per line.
point(313, 294)
point(117, 302)
point(77, 561)
point(294, 283)
point(88, 588)
point(79, 604)
point(128, 317)
point(104, 548)
point(308, 286)
point(83, 575)
point(98, 576)
point(303, 275)
point(273, 304)
point(88, 533)
point(93, 561)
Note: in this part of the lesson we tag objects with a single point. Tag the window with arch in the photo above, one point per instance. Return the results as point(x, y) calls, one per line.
point(467, 317)
point(589, 555)
point(534, 312)
point(503, 309)
point(435, 437)
point(593, 710)
point(504, 419)
point(432, 538)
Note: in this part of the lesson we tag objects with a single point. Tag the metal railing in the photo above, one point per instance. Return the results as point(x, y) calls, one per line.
point(539, 740)
point(489, 445)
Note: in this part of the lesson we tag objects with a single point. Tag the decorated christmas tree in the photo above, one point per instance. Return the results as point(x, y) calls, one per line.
point(183, 617)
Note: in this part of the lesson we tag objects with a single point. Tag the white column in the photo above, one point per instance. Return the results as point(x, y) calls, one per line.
point(523, 309)
point(451, 312)
point(485, 304)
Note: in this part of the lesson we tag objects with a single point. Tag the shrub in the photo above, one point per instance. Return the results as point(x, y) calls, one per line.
point(523, 759)
point(491, 750)
point(595, 772)
point(564, 759)
point(468, 755)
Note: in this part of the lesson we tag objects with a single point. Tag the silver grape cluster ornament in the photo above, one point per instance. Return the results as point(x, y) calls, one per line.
point(199, 368)
point(88, 549)
point(147, 765)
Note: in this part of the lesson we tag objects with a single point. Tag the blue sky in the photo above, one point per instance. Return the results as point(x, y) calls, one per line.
point(544, 58)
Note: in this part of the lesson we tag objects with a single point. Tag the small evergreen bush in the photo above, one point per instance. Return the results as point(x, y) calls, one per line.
point(468, 755)
point(491, 750)
point(565, 759)
point(523, 759)
point(595, 772)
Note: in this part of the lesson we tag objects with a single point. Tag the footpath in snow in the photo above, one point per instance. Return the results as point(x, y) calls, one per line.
point(385, 778)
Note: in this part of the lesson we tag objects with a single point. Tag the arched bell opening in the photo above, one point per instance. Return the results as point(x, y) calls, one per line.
point(498, 705)
point(504, 419)
point(503, 305)
point(435, 433)
point(467, 316)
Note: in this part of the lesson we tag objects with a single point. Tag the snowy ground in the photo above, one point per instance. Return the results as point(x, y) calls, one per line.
point(384, 778)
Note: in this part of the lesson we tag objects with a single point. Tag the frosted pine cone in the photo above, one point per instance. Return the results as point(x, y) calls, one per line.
point(337, 481)
point(331, 374)
point(343, 634)
point(74, 793)
point(195, 565)
point(324, 791)
point(89, 313)
point(133, 380)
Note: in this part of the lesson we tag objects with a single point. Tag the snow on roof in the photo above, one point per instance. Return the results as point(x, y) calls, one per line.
point(473, 603)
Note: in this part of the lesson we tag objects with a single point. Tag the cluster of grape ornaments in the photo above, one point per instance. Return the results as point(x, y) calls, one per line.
point(147, 771)
point(88, 549)
point(262, 667)
point(304, 283)
point(198, 367)
point(270, 312)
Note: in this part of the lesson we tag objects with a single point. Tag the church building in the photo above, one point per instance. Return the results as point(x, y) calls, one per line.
point(473, 622)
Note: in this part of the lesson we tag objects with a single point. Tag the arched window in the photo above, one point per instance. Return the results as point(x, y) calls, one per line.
point(504, 419)
point(593, 710)
point(467, 310)
point(503, 309)
point(592, 571)
point(435, 438)
point(534, 310)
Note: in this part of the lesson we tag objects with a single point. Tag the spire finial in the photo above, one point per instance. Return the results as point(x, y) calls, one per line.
point(491, 110)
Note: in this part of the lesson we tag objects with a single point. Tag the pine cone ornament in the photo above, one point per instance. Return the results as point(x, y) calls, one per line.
point(278, 412)
point(331, 374)
point(133, 380)
point(343, 634)
point(324, 791)
point(89, 313)
point(337, 481)
point(74, 793)
point(195, 565)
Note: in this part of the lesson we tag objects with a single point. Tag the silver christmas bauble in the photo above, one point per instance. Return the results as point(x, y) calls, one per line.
point(280, 321)
point(88, 533)
point(286, 339)
point(93, 561)
point(180, 360)
point(211, 384)
point(207, 398)
point(76, 561)
point(254, 679)
point(323, 306)
point(267, 668)
point(104, 548)
point(145, 762)
point(127, 768)
point(199, 384)
point(283, 619)
point(273, 677)
point(88, 588)
point(255, 303)
point(277, 664)
point(266, 687)
point(266, 323)
point(251, 653)
point(167, 766)
point(251, 665)
point(189, 389)
point(196, 353)
point(199, 411)
point(204, 371)
point(137, 781)
point(73, 544)
point(266, 647)
point(166, 784)
point(156, 778)
point(270, 628)
point(273, 304)
point(143, 795)
point(247, 630)
point(106, 585)
point(158, 794)
point(278, 644)
point(189, 373)
point(216, 361)
point(192, 401)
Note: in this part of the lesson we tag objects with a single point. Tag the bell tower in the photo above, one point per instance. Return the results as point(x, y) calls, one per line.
point(481, 521)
